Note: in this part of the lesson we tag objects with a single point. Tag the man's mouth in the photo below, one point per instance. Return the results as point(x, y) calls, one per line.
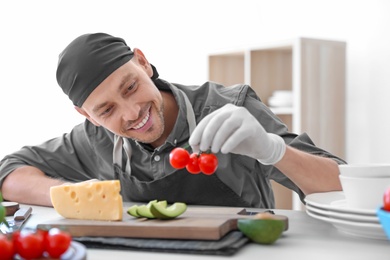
point(143, 122)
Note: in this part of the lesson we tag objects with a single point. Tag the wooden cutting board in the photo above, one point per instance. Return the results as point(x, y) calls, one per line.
point(204, 223)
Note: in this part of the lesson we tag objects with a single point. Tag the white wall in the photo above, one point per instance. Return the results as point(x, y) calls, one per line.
point(177, 36)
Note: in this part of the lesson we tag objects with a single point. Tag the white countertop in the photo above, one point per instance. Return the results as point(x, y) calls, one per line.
point(306, 238)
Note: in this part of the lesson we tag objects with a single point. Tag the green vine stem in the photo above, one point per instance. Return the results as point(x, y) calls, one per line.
point(2, 212)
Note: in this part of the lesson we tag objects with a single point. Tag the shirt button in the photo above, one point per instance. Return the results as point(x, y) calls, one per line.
point(157, 158)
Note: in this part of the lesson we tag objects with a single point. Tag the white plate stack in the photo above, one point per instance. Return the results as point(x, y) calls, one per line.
point(332, 207)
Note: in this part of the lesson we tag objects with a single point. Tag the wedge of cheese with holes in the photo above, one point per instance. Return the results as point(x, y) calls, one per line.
point(96, 200)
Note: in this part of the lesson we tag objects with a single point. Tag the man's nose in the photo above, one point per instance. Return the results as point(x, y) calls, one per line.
point(130, 111)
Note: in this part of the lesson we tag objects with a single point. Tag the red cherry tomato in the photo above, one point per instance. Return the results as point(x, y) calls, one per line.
point(208, 163)
point(15, 237)
point(29, 244)
point(179, 158)
point(57, 242)
point(193, 164)
point(386, 200)
point(7, 250)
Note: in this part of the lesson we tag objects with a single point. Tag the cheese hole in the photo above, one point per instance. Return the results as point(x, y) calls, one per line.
point(89, 195)
point(66, 189)
point(103, 196)
point(98, 187)
point(73, 195)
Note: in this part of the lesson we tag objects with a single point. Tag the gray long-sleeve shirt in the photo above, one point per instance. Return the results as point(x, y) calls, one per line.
point(86, 152)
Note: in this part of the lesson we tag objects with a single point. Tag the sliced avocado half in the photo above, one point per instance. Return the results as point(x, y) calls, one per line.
point(144, 210)
point(173, 211)
point(262, 231)
point(132, 211)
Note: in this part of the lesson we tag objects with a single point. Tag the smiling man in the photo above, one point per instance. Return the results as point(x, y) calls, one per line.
point(130, 105)
point(134, 120)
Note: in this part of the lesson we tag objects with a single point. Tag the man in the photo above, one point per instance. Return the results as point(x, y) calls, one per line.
point(135, 119)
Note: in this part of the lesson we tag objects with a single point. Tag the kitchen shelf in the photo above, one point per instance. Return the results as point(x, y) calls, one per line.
point(313, 69)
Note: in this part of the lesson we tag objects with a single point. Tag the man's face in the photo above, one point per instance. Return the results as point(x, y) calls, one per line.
point(128, 103)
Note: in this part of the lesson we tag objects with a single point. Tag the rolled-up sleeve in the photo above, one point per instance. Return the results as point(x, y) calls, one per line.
point(71, 157)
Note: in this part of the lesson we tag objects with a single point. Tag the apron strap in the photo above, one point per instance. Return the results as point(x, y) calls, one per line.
point(120, 142)
point(190, 114)
point(117, 151)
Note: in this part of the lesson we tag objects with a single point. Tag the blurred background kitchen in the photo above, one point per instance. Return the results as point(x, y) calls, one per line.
point(178, 37)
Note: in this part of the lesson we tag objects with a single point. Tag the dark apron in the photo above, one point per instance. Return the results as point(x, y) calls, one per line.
point(179, 186)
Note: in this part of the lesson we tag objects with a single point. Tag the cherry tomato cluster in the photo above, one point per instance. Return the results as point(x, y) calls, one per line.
point(195, 163)
point(32, 244)
point(386, 200)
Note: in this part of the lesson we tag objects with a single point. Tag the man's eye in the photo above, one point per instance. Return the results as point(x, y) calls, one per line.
point(106, 111)
point(131, 87)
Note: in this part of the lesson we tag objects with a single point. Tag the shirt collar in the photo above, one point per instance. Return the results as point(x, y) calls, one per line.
point(180, 132)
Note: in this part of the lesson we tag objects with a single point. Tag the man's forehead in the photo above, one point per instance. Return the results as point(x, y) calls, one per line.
point(114, 83)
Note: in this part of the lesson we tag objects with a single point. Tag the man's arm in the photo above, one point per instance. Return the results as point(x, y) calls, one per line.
point(232, 129)
point(26, 175)
point(29, 185)
point(311, 173)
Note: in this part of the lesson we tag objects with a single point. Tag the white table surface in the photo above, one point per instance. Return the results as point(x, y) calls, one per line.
point(306, 238)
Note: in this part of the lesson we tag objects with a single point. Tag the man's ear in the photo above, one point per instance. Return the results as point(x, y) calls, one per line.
point(84, 113)
point(141, 60)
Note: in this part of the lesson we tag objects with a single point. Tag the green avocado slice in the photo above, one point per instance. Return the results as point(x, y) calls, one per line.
point(144, 210)
point(132, 211)
point(173, 211)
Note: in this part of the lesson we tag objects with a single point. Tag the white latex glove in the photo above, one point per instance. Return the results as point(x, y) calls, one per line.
point(232, 129)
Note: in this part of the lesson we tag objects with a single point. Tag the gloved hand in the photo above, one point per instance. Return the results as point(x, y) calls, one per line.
point(232, 129)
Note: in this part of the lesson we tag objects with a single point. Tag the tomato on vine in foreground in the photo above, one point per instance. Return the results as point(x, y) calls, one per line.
point(57, 242)
point(6, 247)
point(34, 244)
point(29, 244)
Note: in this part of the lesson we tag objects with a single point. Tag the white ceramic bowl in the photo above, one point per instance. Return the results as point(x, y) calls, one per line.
point(365, 170)
point(364, 193)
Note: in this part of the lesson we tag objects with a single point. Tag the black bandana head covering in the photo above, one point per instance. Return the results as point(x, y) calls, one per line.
point(87, 61)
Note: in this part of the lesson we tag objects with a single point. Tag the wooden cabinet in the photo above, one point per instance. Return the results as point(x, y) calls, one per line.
point(313, 69)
